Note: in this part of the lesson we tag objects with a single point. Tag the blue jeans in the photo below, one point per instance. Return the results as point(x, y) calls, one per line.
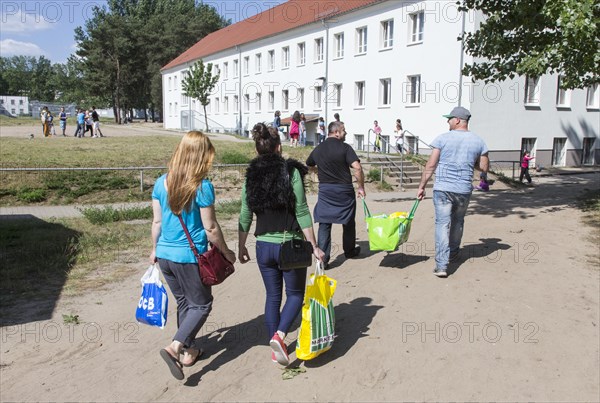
point(267, 257)
point(450, 210)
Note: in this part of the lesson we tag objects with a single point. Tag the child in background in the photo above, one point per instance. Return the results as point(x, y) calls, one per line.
point(525, 167)
point(377, 131)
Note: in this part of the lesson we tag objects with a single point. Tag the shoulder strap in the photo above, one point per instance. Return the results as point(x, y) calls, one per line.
point(189, 237)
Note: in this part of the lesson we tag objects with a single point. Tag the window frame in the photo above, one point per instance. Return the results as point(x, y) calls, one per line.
point(416, 28)
point(361, 48)
point(360, 98)
point(387, 34)
point(319, 50)
point(385, 88)
point(338, 40)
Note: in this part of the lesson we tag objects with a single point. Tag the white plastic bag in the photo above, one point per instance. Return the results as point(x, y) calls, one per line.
point(153, 304)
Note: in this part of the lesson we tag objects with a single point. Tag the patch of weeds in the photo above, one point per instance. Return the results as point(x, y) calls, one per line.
point(374, 175)
point(506, 180)
point(108, 214)
point(385, 186)
point(29, 195)
point(77, 184)
point(227, 209)
point(70, 319)
point(290, 373)
point(234, 157)
point(589, 202)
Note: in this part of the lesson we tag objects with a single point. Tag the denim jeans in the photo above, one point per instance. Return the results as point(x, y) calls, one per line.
point(450, 210)
point(276, 318)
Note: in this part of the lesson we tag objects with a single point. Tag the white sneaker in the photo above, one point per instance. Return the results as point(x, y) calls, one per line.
point(440, 272)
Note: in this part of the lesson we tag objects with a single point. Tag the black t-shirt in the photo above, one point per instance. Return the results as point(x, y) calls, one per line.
point(95, 116)
point(333, 157)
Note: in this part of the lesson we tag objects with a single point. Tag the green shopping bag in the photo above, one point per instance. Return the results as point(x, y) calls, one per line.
point(388, 232)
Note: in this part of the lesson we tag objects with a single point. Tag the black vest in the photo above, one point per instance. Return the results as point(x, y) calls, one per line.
point(269, 193)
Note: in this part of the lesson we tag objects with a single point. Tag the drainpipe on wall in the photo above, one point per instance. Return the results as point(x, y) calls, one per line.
point(240, 102)
point(462, 59)
point(326, 83)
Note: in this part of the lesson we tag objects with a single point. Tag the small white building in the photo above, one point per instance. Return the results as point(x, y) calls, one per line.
point(378, 60)
point(15, 105)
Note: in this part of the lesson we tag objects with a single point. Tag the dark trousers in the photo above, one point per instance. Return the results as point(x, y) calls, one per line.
point(194, 299)
point(267, 257)
point(348, 238)
point(525, 172)
point(79, 131)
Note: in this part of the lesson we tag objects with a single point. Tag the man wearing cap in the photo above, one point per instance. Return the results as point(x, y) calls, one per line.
point(454, 157)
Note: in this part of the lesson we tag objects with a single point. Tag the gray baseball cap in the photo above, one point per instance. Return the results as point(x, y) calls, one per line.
point(459, 112)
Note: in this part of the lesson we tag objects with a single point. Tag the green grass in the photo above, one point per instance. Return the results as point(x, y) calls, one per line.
point(108, 214)
point(19, 121)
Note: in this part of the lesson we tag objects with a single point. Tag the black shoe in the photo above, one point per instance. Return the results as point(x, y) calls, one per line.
point(354, 253)
point(326, 266)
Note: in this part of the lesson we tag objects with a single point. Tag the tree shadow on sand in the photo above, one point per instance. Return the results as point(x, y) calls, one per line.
point(227, 344)
point(489, 251)
point(36, 257)
point(352, 322)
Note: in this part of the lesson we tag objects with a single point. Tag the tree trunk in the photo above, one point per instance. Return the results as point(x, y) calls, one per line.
point(145, 115)
point(205, 117)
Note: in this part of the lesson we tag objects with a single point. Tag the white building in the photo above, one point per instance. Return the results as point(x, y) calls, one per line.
point(378, 60)
point(15, 105)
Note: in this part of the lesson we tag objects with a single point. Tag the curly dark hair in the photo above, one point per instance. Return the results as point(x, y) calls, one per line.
point(266, 138)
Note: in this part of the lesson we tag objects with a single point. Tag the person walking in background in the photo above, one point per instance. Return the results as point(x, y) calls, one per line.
point(44, 119)
point(399, 136)
point(336, 117)
point(453, 159)
point(302, 129)
point(274, 192)
point(525, 167)
point(96, 123)
point(321, 130)
point(185, 191)
point(89, 123)
point(295, 129)
point(377, 131)
point(277, 120)
point(80, 124)
point(63, 120)
point(336, 202)
point(50, 120)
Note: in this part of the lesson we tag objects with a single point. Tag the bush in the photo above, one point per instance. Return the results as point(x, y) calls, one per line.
point(29, 195)
point(108, 214)
point(234, 157)
point(374, 175)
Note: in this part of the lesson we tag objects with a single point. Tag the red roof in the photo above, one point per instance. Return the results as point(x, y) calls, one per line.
point(284, 17)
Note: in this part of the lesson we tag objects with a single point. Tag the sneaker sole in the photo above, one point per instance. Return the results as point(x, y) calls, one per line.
point(440, 274)
point(280, 355)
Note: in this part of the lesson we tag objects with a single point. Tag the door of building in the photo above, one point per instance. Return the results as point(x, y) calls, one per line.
point(587, 157)
point(559, 151)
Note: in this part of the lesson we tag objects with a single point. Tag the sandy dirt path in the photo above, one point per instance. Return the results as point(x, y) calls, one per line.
point(517, 320)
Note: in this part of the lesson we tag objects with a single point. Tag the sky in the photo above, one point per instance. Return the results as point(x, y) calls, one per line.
point(47, 27)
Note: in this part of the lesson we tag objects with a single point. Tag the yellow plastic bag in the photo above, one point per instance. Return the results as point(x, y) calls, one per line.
point(317, 330)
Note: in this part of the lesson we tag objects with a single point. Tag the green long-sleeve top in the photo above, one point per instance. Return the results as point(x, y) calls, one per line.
point(302, 214)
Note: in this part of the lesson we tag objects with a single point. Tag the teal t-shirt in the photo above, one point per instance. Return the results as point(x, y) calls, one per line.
point(172, 243)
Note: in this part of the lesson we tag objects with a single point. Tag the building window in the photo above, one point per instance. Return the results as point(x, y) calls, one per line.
point(271, 100)
point(185, 100)
point(319, 50)
point(359, 93)
point(226, 104)
point(236, 103)
point(217, 101)
point(246, 65)
point(385, 91)
point(216, 72)
point(301, 54)
point(301, 98)
point(225, 71)
point(413, 90)
point(532, 91)
point(20, 102)
point(593, 96)
point(318, 97)
point(387, 34)
point(13, 111)
point(175, 82)
point(285, 100)
point(416, 26)
point(285, 57)
point(271, 60)
point(361, 40)
point(338, 95)
point(258, 102)
point(258, 63)
point(339, 45)
point(170, 109)
point(246, 103)
point(563, 96)
point(236, 68)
